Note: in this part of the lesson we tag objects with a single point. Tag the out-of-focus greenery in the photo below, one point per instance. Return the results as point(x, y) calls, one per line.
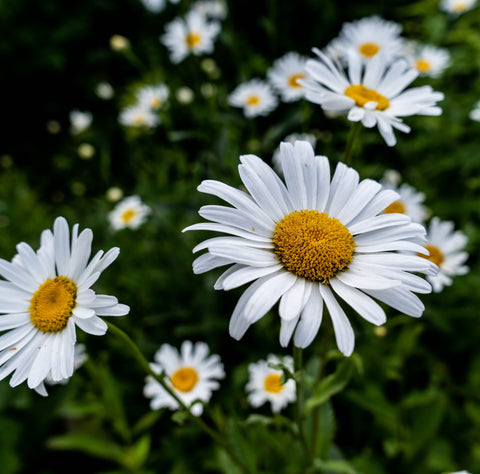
point(407, 401)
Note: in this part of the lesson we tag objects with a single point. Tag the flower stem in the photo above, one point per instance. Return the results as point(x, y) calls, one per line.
point(352, 136)
point(160, 378)
point(298, 366)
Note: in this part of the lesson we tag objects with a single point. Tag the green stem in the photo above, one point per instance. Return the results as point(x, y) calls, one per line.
point(298, 367)
point(352, 136)
point(160, 378)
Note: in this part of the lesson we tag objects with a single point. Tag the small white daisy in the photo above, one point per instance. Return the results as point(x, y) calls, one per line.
point(191, 35)
point(474, 114)
point(429, 61)
point(457, 7)
point(138, 116)
point(211, 9)
point(255, 97)
point(309, 241)
point(366, 38)
point(285, 74)
point(79, 121)
point(447, 251)
point(264, 384)
point(373, 94)
point(191, 373)
point(410, 201)
point(153, 97)
point(131, 212)
point(45, 295)
point(292, 138)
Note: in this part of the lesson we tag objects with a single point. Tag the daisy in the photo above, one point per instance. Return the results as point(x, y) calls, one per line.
point(456, 7)
point(79, 121)
point(447, 251)
point(264, 384)
point(308, 242)
point(152, 97)
point(194, 35)
point(475, 112)
point(213, 9)
point(191, 373)
point(255, 97)
point(130, 212)
point(292, 138)
point(45, 295)
point(154, 6)
point(429, 60)
point(285, 74)
point(138, 116)
point(409, 203)
point(366, 38)
point(373, 94)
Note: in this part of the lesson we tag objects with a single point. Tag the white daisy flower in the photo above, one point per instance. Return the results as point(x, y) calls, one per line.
point(292, 138)
point(79, 358)
point(475, 112)
point(255, 97)
point(457, 7)
point(79, 121)
point(131, 212)
point(366, 38)
point(447, 251)
point(264, 384)
point(191, 373)
point(211, 9)
point(410, 201)
point(308, 242)
point(429, 61)
point(138, 116)
point(193, 34)
point(285, 74)
point(153, 97)
point(45, 295)
point(373, 94)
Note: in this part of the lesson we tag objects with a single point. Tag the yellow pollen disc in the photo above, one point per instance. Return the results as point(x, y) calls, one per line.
point(253, 100)
point(459, 7)
point(139, 120)
point(423, 65)
point(369, 49)
point(436, 255)
point(155, 103)
point(192, 40)
point(52, 304)
point(361, 95)
point(313, 245)
point(272, 383)
point(184, 379)
point(293, 80)
point(396, 207)
point(128, 215)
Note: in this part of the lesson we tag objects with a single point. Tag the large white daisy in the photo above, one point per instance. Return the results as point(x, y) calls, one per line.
point(373, 94)
point(191, 373)
point(308, 242)
point(447, 251)
point(45, 295)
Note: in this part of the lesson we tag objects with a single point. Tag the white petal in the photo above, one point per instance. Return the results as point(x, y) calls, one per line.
point(117, 310)
point(95, 326)
point(292, 301)
point(80, 254)
point(82, 312)
point(61, 241)
point(310, 319)
point(286, 330)
point(241, 275)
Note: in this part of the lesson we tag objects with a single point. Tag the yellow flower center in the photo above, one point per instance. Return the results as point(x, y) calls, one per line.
point(293, 80)
point(423, 65)
point(253, 100)
point(155, 103)
point(272, 383)
point(460, 6)
point(361, 95)
point(139, 120)
point(396, 207)
point(192, 40)
point(128, 215)
point(369, 49)
point(52, 304)
point(436, 255)
point(184, 379)
point(313, 245)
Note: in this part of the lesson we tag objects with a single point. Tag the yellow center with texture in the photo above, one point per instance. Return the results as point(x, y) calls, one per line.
point(52, 304)
point(128, 215)
point(436, 255)
point(369, 49)
point(397, 207)
point(313, 245)
point(192, 40)
point(184, 379)
point(361, 95)
point(272, 383)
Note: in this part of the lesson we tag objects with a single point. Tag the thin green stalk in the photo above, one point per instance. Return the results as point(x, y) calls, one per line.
point(352, 137)
point(160, 378)
point(299, 416)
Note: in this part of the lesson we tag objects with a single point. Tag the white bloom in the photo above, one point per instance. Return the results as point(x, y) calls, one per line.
point(447, 251)
point(193, 34)
point(292, 138)
point(308, 242)
point(475, 112)
point(285, 74)
point(366, 38)
point(373, 94)
point(264, 384)
point(255, 97)
point(456, 7)
point(79, 358)
point(191, 373)
point(130, 212)
point(45, 296)
point(138, 116)
point(213, 9)
point(154, 6)
point(104, 90)
point(429, 61)
point(79, 121)
point(153, 97)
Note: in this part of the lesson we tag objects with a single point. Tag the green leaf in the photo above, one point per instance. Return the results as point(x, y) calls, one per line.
point(337, 467)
